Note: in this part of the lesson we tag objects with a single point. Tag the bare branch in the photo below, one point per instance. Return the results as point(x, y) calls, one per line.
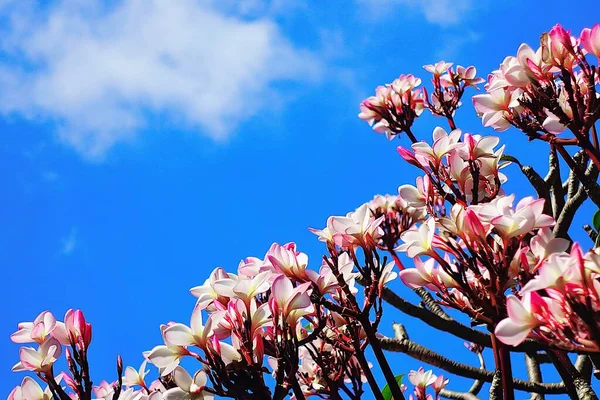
point(534, 373)
point(430, 357)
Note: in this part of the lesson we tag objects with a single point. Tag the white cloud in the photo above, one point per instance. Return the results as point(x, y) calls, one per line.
point(100, 72)
point(441, 12)
point(69, 243)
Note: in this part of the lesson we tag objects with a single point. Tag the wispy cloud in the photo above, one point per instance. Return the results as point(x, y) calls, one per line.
point(440, 12)
point(69, 243)
point(99, 72)
point(453, 44)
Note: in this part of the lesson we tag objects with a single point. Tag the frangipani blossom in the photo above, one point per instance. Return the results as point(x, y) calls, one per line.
point(40, 359)
point(521, 319)
point(495, 108)
point(196, 334)
point(419, 240)
point(35, 331)
point(135, 377)
point(421, 378)
point(355, 229)
point(590, 40)
point(290, 302)
point(206, 292)
point(188, 388)
point(438, 68)
point(30, 390)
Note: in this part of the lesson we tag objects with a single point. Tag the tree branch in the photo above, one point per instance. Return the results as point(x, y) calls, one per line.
point(428, 356)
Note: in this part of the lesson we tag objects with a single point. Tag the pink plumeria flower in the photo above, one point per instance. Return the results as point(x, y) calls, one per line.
point(521, 319)
point(495, 107)
point(135, 377)
point(247, 289)
point(30, 390)
point(438, 68)
point(40, 359)
point(188, 388)
point(590, 40)
point(196, 334)
point(166, 358)
point(290, 302)
point(420, 378)
point(35, 331)
point(206, 293)
point(557, 271)
point(355, 228)
point(288, 261)
point(103, 390)
point(440, 383)
point(387, 275)
point(443, 144)
point(419, 240)
point(425, 274)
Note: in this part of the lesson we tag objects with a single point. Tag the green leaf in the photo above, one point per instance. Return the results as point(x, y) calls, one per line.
point(386, 392)
point(596, 221)
point(506, 157)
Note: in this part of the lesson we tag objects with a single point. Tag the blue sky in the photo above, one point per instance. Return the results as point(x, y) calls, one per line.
point(145, 143)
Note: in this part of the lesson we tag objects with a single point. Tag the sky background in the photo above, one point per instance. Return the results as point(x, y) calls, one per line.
point(146, 142)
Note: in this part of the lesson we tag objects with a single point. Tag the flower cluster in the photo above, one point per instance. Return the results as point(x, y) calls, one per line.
point(394, 107)
point(459, 168)
point(449, 85)
point(561, 304)
point(545, 91)
point(276, 312)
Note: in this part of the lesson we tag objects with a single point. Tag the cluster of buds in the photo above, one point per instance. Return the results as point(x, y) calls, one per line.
point(449, 85)
point(560, 305)
point(546, 91)
point(394, 107)
point(459, 168)
point(422, 380)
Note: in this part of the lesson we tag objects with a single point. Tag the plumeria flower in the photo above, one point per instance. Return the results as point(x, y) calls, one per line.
point(443, 144)
point(495, 107)
point(420, 378)
point(35, 331)
point(247, 289)
point(188, 388)
point(167, 357)
point(590, 40)
point(355, 228)
point(206, 293)
point(425, 274)
point(196, 334)
point(290, 302)
point(419, 240)
point(521, 318)
point(440, 383)
point(103, 390)
point(288, 261)
point(438, 68)
point(30, 390)
point(40, 359)
point(135, 377)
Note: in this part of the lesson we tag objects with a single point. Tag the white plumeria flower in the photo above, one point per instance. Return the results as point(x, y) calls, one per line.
point(133, 377)
point(188, 388)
